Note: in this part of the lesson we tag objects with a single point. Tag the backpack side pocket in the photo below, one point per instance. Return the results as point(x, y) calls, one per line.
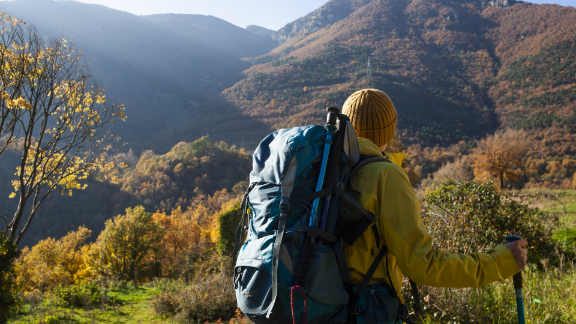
point(253, 285)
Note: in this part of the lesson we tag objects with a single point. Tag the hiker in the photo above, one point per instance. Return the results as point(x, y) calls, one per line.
point(386, 191)
point(331, 226)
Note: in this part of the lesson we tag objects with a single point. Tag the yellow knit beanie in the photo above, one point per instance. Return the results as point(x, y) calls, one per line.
point(373, 115)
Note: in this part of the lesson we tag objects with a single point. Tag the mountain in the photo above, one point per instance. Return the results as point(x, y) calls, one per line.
point(259, 30)
point(167, 69)
point(456, 70)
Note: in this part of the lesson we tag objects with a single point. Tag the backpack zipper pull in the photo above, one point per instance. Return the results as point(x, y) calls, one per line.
point(374, 298)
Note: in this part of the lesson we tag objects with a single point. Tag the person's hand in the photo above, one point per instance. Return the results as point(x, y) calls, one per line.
point(519, 251)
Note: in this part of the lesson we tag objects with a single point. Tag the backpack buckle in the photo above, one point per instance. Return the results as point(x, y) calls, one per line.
point(284, 204)
point(237, 277)
point(403, 314)
point(357, 310)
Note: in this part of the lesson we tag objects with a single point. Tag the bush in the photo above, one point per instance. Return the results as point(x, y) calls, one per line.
point(201, 302)
point(83, 294)
point(228, 223)
point(474, 216)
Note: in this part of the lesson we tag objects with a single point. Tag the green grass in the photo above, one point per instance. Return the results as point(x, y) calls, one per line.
point(133, 307)
point(549, 296)
point(560, 202)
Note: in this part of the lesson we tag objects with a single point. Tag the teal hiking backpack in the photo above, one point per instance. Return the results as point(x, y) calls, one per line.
point(297, 213)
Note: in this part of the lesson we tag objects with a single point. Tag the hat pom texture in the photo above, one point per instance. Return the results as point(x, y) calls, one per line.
point(372, 114)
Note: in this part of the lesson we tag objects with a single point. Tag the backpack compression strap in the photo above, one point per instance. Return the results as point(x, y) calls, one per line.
point(286, 189)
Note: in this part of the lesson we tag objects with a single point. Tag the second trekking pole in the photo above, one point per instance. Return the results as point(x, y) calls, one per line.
point(302, 270)
point(518, 286)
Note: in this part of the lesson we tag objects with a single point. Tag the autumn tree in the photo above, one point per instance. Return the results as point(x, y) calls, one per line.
point(125, 242)
point(54, 115)
point(501, 156)
point(182, 235)
point(53, 262)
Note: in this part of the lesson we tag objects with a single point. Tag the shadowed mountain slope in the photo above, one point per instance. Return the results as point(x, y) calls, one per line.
point(164, 68)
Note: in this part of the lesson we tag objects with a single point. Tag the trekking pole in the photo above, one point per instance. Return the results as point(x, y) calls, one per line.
point(330, 129)
point(336, 152)
point(518, 286)
point(302, 271)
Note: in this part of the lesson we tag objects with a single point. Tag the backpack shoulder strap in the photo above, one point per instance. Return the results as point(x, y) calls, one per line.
point(367, 160)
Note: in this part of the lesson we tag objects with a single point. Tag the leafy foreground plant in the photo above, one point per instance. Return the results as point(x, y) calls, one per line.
point(474, 216)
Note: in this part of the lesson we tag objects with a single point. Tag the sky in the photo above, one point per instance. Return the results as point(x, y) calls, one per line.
point(272, 14)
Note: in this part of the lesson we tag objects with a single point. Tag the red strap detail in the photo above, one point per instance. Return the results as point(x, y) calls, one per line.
point(294, 288)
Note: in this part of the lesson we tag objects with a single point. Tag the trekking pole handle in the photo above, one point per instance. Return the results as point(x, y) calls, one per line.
point(517, 279)
point(332, 118)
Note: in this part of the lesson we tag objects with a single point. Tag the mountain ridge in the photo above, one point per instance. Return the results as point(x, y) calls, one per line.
point(439, 60)
point(162, 74)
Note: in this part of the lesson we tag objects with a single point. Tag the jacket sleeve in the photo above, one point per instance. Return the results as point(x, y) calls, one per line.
point(401, 226)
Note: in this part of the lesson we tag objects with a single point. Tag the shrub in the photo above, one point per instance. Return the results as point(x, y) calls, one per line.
point(83, 294)
point(204, 300)
point(450, 173)
point(474, 216)
point(201, 302)
point(228, 223)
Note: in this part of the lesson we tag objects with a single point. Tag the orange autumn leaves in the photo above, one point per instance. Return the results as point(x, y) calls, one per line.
point(134, 246)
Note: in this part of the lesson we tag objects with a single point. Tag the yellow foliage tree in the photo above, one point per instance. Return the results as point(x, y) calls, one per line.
point(53, 113)
point(182, 235)
point(52, 262)
point(123, 245)
point(501, 156)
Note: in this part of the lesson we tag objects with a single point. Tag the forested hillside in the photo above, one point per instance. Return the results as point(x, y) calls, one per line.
point(187, 175)
point(456, 70)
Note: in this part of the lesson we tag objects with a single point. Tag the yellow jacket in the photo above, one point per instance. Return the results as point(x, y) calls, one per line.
point(386, 191)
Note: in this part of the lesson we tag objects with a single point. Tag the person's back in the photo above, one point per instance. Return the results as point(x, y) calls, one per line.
point(385, 190)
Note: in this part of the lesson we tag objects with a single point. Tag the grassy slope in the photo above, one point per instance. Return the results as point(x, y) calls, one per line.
point(562, 202)
point(134, 308)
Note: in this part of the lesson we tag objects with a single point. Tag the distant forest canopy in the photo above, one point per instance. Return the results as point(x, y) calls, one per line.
point(457, 71)
point(187, 175)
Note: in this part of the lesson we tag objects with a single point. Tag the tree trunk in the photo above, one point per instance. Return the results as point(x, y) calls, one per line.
point(136, 276)
point(3, 315)
point(501, 182)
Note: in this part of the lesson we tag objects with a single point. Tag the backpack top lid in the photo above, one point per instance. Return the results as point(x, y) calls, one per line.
point(276, 151)
point(274, 154)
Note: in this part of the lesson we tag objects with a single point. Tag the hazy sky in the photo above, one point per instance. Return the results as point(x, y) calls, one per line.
point(273, 14)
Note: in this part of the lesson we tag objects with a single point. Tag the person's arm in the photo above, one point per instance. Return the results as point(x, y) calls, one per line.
point(398, 210)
